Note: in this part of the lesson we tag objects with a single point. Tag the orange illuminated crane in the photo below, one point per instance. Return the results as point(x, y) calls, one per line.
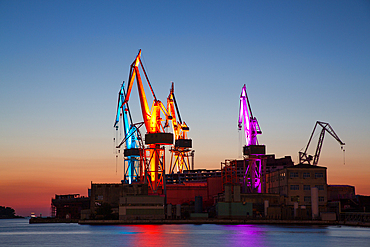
point(181, 151)
point(155, 137)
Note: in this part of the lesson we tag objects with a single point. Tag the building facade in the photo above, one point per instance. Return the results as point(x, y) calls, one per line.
point(69, 206)
point(295, 184)
point(338, 192)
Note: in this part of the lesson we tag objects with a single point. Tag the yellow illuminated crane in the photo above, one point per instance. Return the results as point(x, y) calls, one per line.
point(181, 151)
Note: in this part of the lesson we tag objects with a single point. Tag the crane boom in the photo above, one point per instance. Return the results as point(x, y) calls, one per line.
point(151, 118)
point(304, 157)
point(180, 128)
point(129, 129)
point(251, 126)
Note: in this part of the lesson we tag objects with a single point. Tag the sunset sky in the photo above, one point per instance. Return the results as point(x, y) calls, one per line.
point(62, 64)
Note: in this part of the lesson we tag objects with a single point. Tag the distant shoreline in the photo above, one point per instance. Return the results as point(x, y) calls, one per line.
point(199, 222)
point(14, 217)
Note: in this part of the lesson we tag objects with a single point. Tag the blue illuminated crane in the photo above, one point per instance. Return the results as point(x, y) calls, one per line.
point(132, 137)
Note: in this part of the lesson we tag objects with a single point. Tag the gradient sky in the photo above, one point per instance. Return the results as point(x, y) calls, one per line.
point(62, 63)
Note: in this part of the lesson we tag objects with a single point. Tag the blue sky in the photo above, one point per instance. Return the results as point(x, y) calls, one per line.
point(62, 63)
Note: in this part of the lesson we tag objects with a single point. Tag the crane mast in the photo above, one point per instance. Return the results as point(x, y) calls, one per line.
point(252, 151)
point(154, 155)
point(305, 158)
point(180, 152)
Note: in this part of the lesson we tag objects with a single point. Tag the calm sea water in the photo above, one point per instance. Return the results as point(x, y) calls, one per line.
point(17, 232)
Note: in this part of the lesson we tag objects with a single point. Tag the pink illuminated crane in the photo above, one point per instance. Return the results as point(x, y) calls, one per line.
point(252, 151)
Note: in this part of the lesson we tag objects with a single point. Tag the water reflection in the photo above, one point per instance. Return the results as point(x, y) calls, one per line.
point(20, 233)
point(245, 235)
point(242, 235)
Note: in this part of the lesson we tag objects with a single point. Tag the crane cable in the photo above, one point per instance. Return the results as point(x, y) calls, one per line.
point(344, 154)
point(147, 79)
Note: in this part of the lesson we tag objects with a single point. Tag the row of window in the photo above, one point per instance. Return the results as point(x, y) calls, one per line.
point(305, 187)
point(306, 199)
point(276, 177)
point(281, 176)
point(307, 175)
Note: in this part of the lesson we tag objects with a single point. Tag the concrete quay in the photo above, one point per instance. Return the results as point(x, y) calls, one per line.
point(200, 221)
point(220, 222)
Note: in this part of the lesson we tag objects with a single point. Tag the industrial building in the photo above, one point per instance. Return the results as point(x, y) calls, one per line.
point(337, 192)
point(69, 206)
point(295, 183)
point(125, 201)
point(141, 207)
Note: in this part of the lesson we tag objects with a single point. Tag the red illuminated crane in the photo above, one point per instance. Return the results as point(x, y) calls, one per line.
point(154, 154)
point(181, 151)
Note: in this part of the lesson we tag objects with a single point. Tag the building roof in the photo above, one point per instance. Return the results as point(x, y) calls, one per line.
point(307, 166)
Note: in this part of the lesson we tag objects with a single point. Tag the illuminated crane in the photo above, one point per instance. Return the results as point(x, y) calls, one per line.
point(154, 155)
point(253, 152)
point(304, 158)
point(133, 171)
point(181, 151)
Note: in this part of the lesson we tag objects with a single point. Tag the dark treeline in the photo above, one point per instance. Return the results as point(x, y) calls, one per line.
point(7, 213)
